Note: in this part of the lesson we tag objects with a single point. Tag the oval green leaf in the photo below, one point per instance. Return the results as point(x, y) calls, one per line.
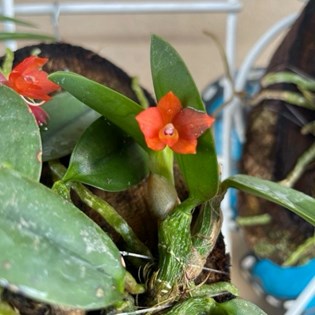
point(169, 73)
point(68, 119)
point(107, 159)
point(117, 108)
point(20, 143)
point(51, 251)
point(296, 201)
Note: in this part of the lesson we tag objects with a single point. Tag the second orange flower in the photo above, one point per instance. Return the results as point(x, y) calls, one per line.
point(169, 124)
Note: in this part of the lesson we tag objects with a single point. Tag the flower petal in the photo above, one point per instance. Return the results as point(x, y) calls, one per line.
point(28, 64)
point(150, 122)
point(28, 80)
point(191, 123)
point(185, 146)
point(155, 144)
point(169, 106)
point(40, 115)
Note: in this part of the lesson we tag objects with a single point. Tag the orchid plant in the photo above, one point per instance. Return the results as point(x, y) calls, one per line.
point(47, 243)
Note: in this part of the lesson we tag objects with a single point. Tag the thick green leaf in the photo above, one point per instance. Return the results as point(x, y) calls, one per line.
point(117, 108)
point(20, 144)
point(169, 73)
point(106, 158)
point(238, 306)
point(51, 251)
point(68, 119)
point(296, 201)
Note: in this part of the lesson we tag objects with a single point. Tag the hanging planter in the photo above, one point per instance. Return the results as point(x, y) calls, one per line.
point(280, 147)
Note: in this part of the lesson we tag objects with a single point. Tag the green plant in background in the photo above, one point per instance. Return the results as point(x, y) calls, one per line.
point(305, 99)
point(21, 35)
point(48, 244)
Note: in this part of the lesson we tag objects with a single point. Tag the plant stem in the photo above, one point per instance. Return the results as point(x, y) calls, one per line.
point(205, 233)
point(227, 73)
point(288, 77)
point(301, 252)
point(286, 96)
point(307, 157)
point(161, 163)
point(114, 219)
point(309, 128)
point(139, 92)
point(175, 247)
point(253, 220)
point(214, 289)
point(132, 286)
point(194, 305)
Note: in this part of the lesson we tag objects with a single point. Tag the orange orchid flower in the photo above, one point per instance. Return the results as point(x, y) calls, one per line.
point(30, 81)
point(169, 124)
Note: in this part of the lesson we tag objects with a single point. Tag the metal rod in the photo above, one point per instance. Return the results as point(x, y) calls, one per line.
point(259, 46)
point(8, 10)
point(128, 7)
point(303, 299)
point(247, 64)
point(230, 44)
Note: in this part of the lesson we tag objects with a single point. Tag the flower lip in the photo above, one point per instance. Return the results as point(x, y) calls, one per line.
point(169, 124)
point(169, 130)
point(168, 135)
